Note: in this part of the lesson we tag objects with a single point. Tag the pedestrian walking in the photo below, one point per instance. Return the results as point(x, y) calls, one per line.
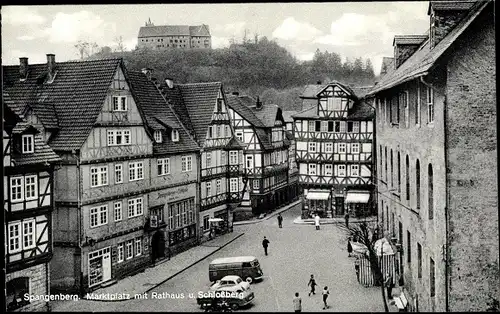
point(389, 284)
point(312, 283)
point(280, 220)
point(325, 296)
point(349, 247)
point(346, 217)
point(316, 221)
point(297, 303)
point(356, 267)
point(265, 244)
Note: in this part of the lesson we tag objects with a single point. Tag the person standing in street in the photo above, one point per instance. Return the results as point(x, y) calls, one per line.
point(297, 303)
point(280, 220)
point(312, 283)
point(356, 267)
point(349, 247)
point(346, 217)
point(265, 244)
point(325, 296)
point(316, 221)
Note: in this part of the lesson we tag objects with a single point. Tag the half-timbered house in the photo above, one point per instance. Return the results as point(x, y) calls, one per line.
point(173, 222)
point(293, 169)
point(262, 128)
point(334, 152)
point(202, 108)
point(437, 159)
point(102, 187)
point(29, 165)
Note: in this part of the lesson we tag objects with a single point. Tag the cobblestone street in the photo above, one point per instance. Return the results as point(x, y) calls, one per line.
point(295, 252)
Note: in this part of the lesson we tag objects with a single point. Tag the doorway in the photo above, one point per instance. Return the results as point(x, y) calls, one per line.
point(158, 246)
point(99, 266)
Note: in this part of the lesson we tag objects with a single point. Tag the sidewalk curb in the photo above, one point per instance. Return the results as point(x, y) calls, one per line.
point(283, 209)
point(330, 221)
point(177, 273)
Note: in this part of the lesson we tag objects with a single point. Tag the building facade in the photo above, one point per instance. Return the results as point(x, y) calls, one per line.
point(29, 165)
point(437, 159)
point(334, 153)
point(174, 37)
point(266, 160)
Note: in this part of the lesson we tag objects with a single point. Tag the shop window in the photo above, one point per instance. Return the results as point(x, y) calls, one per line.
point(16, 289)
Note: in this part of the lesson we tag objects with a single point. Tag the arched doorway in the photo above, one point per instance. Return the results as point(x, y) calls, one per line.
point(158, 246)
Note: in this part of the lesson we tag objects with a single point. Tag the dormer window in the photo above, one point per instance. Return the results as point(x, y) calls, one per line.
point(219, 104)
point(119, 103)
point(175, 136)
point(158, 137)
point(28, 142)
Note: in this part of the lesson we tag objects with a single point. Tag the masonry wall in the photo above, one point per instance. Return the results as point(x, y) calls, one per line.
point(38, 280)
point(472, 169)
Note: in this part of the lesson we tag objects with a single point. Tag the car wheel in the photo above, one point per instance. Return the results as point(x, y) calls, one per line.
point(249, 279)
point(234, 306)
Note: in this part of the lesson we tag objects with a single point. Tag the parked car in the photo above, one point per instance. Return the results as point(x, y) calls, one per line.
point(236, 296)
point(228, 281)
point(246, 267)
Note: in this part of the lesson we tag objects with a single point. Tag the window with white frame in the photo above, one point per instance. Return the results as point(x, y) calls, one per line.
point(233, 185)
point(223, 157)
point(355, 127)
point(135, 207)
point(210, 132)
point(118, 137)
point(403, 100)
point(334, 103)
point(98, 216)
point(98, 176)
point(328, 169)
point(29, 234)
point(118, 211)
point(218, 131)
point(186, 163)
point(256, 184)
point(135, 171)
point(311, 126)
point(209, 159)
point(354, 170)
point(218, 185)
point(14, 237)
point(312, 147)
point(119, 103)
point(163, 166)
point(138, 246)
point(342, 148)
point(342, 126)
point(120, 253)
point(355, 148)
point(328, 147)
point(341, 170)
point(157, 136)
point(233, 157)
point(324, 126)
point(28, 143)
point(209, 189)
point(17, 189)
point(249, 163)
point(312, 169)
point(118, 173)
point(171, 217)
point(31, 187)
point(226, 132)
point(239, 135)
point(175, 136)
point(430, 105)
point(130, 249)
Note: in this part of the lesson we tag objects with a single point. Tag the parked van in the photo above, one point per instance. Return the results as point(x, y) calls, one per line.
point(247, 267)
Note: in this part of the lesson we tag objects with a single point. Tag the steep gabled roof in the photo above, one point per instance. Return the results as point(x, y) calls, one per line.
point(200, 30)
point(236, 103)
point(387, 65)
point(158, 114)
point(425, 58)
point(361, 111)
point(263, 138)
point(200, 100)
point(267, 114)
point(311, 112)
point(287, 115)
point(77, 95)
point(450, 5)
point(43, 154)
point(174, 97)
point(311, 91)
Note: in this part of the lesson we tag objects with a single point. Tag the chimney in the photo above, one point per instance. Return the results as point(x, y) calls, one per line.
point(51, 66)
point(236, 93)
point(444, 16)
point(23, 68)
point(318, 82)
point(148, 72)
point(258, 105)
point(405, 46)
point(170, 82)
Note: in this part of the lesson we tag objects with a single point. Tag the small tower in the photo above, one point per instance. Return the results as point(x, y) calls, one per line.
point(148, 23)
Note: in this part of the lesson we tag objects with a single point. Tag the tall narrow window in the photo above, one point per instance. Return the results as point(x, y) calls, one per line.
point(175, 136)
point(430, 192)
point(407, 178)
point(417, 182)
point(385, 159)
point(432, 278)
point(381, 163)
point(408, 246)
point(417, 109)
point(157, 136)
point(218, 184)
point(233, 185)
point(404, 100)
point(399, 172)
point(209, 189)
point(28, 143)
point(118, 173)
point(419, 257)
point(430, 105)
point(392, 171)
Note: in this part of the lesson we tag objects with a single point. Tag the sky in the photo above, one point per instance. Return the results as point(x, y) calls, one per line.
point(351, 29)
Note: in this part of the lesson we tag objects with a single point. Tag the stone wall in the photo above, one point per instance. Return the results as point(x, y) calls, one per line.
point(38, 281)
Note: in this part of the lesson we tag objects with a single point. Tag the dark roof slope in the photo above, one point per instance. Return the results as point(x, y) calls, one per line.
point(287, 115)
point(425, 57)
point(77, 94)
point(158, 114)
point(200, 30)
point(43, 154)
point(267, 114)
point(361, 111)
point(450, 5)
point(174, 97)
point(236, 103)
point(409, 39)
point(310, 91)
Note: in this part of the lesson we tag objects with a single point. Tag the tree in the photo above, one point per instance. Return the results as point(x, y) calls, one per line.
point(119, 44)
point(367, 234)
point(83, 48)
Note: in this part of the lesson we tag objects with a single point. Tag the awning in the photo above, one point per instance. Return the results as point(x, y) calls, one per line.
point(318, 195)
point(357, 197)
point(215, 220)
